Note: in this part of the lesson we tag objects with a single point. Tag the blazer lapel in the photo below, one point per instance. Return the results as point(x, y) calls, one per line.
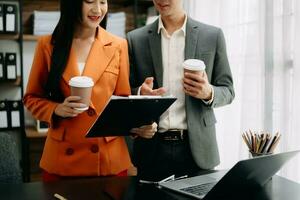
point(155, 48)
point(98, 59)
point(191, 39)
point(100, 55)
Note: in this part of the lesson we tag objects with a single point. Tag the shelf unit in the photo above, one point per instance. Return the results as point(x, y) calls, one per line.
point(14, 42)
point(9, 36)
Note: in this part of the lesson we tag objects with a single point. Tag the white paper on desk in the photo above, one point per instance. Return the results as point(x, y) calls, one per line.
point(3, 119)
point(11, 72)
point(1, 71)
point(1, 23)
point(10, 22)
point(15, 119)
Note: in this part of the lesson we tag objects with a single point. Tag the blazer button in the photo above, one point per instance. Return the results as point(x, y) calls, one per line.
point(69, 151)
point(91, 112)
point(94, 148)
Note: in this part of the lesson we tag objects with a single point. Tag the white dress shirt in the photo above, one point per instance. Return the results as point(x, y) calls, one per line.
point(81, 67)
point(172, 58)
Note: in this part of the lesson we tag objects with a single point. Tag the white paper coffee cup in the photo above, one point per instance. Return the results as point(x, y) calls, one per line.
point(194, 65)
point(82, 86)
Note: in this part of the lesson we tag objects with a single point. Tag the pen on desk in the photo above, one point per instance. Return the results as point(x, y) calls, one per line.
point(169, 178)
point(180, 177)
point(59, 197)
point(148, 182)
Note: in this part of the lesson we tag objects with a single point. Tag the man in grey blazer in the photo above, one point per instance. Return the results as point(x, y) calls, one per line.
point(186, 137)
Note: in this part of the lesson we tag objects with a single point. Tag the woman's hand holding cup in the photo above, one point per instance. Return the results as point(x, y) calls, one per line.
point(79, 101)
point(68, 107)
point(82, 86)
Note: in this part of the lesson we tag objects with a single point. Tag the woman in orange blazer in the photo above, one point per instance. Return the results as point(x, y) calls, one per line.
point(78, 38)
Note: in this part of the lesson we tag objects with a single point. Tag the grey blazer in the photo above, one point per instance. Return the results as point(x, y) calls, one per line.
point(202, 42)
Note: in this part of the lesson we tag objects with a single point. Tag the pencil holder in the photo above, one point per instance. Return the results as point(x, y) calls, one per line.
point(260, 144)
point(253, 154)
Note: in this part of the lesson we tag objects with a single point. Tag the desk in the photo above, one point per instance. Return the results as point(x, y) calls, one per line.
point(127, 188)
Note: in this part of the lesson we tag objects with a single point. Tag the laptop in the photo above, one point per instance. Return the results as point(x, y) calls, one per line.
point(244, 175)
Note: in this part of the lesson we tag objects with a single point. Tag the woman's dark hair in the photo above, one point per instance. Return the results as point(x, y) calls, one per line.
point(62, 37)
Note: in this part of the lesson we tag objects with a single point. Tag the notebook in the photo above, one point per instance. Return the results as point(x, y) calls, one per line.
point(244, 175)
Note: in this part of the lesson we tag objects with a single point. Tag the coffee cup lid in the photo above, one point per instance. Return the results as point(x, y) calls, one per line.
point(81, 81)
point(194, 65)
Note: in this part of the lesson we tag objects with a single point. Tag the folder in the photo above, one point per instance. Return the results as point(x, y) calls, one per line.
point(2, 66)
point(14, 114)
point(11, 66)
point(3, 115)
point(10, 18)
point(124, 113)
point(1, 18)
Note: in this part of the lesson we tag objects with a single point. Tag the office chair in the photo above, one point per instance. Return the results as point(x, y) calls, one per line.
point(10, 171)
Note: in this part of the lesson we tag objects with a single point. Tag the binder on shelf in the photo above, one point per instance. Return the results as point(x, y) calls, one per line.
point(1, 18)
point(11, 66)
point(3, 115)
point(10, 18)
point(2, 77)
point(124, 113)
point(14, 114)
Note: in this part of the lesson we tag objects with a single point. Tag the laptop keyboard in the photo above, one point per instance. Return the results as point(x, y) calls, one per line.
point(199, 190)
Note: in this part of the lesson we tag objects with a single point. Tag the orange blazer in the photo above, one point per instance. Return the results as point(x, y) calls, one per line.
point(67, 152)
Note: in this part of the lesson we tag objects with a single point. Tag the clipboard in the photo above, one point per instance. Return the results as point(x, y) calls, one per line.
point(124, 113)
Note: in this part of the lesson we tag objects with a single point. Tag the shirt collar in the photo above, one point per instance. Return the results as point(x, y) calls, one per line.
point(161, 25)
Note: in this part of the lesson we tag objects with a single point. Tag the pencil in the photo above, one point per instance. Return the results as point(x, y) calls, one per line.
point(275, 144)
point(58, 196)
point(246, 141)
point(271, 144)
point(268, 137)
point(249, 139)
point(258, 143)
point(253, 142)
point(262, 143)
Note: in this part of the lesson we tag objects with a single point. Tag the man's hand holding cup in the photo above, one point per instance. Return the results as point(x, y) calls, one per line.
point(195, 81)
